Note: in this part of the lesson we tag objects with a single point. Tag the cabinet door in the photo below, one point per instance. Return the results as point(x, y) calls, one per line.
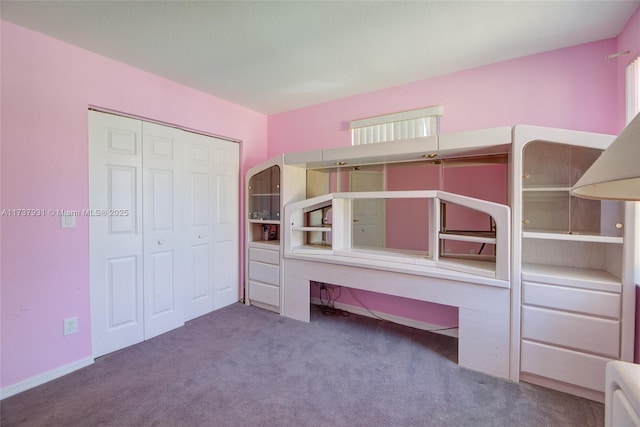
point(264, 195)
point(549, 171)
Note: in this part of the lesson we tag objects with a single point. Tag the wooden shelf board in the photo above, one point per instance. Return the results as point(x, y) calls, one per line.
point(573, 277)
point(543, 188)
point(269, 243)
point(476, 237)
point(322, 228)
point(576, 236)
point(264, 221)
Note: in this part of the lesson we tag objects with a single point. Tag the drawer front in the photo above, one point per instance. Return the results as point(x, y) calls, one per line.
point(266, 294)
point(264, 255)
point(266, 273)
point(592, 334)
point(572, 367)
point(603, 304)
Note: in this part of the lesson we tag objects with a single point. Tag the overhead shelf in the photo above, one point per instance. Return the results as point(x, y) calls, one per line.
point(300, 240)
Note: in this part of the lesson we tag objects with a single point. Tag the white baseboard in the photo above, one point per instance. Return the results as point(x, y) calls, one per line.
point(436, 329)
point(44, 378)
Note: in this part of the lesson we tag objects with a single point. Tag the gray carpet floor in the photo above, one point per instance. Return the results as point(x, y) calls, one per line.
point(243, 366)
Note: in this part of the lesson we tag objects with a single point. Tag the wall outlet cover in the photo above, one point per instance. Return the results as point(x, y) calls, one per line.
point(70, 326)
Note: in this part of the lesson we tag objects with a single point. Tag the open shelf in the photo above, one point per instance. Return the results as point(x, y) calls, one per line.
point(574, 277)
point(271, 244)
point(469, 236)
point(323, 229)
point(264, 221)
point(571, 236)
point(463, 252)
point(550, 188)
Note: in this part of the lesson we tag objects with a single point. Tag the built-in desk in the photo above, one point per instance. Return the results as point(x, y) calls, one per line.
point(484, 314)
point(477, 284)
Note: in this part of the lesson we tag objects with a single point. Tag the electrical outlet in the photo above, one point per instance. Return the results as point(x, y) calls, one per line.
point(70, 326)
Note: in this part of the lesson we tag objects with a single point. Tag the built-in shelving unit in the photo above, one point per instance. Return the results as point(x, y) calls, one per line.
point(265, 198)
point(544, 287)
point(302, 237)
point(572, 265)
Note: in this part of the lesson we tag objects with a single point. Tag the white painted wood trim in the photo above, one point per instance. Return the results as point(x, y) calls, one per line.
point(44, 377)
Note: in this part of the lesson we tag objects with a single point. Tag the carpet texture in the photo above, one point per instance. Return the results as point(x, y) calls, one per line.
point(243, 366)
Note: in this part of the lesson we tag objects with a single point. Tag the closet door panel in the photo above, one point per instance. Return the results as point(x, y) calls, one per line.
point(122, 284)
point(115, 244)
point(163, 229)
point(165, 260)
point(199, 226)
point(226, 223)
point(162, 268)
point(122, 196)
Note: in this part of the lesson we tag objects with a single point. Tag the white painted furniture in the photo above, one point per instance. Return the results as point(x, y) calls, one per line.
point(299, 231)
point(571, 269)
point(622, 401)
point(573, 258)
point(477, 284)
point(269, 186)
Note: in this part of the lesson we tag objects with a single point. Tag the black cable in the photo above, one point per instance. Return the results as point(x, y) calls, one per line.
point(328, 307)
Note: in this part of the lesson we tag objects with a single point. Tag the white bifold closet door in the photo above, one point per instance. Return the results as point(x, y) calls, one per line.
point(157, 266)
point(212, 203)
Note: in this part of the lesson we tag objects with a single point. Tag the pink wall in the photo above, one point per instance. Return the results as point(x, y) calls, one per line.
point(46, 88)
point(407, 220)
point(569, 88)
point(572, 88)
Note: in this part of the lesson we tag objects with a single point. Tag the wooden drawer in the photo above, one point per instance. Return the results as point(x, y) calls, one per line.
point(264, 255)
point(596, 303)
point(266, 273)
point(572, 367)
point(576, 331)
point(266, 294)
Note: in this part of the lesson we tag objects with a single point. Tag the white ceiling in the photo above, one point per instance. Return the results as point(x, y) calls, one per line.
point(273, 56)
